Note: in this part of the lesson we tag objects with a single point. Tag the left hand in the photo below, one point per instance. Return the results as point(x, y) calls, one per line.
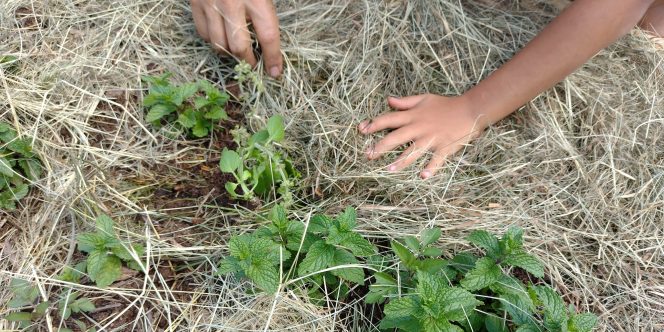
point(442, 125)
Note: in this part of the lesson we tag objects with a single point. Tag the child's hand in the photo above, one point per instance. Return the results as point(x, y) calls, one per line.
point(430, 123)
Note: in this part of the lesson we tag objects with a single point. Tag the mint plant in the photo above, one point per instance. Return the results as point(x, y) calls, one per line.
point(106, 253)
point(325, 253)
point(259, 166)
point(26, 299)
point(192, 108)
point(18, 166)
point(490, 298)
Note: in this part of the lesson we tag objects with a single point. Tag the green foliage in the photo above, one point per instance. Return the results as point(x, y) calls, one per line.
point(192, 108)
point(427, 293)
point(18, 165)
point(106, 253)
point(258, 165)
point(325, 254)
point(26, 298)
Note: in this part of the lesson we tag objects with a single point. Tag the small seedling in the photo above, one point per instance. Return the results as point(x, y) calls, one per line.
point(106, 253)
point(192, 108)
point(325, 254)
point(506, 303)
point(258, 165)
point(18, 165)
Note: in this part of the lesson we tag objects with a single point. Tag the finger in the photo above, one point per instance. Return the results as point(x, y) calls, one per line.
point(436, 162)
point(409, 156)
point(200, 21)
point(237, 33)
point(386, 121)
point(266, 24)
point(404, 103)
point(216, 30)
point(391, 141)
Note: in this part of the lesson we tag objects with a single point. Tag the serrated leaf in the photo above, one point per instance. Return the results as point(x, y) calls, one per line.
point(495, 324)
point(216, 113)
point(528, 328)
point(40, 309)
point(519, 308)
point(348, 219)
point(201, 128)
point(275, 128)
point(584, 322)
point(513, 238)
point(82, 305)
point(463, 262)
point(6, 168)
point(319, 256)
point(21, 146)
point(32, 168)
point(360, 246)
point(278, 217)
point(406, 256)
point(485, 273)
point(431, 265)
point(187, 118)
point(486, 241)
point(429, 287)
point(159, 111)
point(554, 308)
point(230, 161)
point(432, 252)
point(352, 274)
point(124, 254)
point(430, 235)
point(402, 307)
point(412, 243)
point(525, 261)
point(457, 303)
point(228, 265)
point(89, 242)
point(103, 269)
point(104, 225)
point(264, 275)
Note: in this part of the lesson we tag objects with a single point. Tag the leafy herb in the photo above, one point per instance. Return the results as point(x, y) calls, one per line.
point(18, 164)
point(193, 108)
point(258, 165)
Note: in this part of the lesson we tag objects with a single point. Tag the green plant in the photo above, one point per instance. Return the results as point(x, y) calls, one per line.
point(193, 108)
point(258, 165)
point(17, 164)
point(324, 253)
point(26, 298)
point(447, 293)
point(105, 254)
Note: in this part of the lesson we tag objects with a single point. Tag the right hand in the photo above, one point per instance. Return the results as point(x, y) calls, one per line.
point(223, 23)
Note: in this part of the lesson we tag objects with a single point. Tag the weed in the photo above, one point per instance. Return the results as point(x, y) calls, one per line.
point(106, 253)
point(193, 108)
point(17, 164)
point(258, 165)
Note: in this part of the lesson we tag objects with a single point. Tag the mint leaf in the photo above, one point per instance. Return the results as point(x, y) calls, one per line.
point(485, 273)
point(6, 168)
point(360, 246)
point(412, 243)
point(432, 252)
point(228, 265)
point(348, 219)
point(82, 305)
point(230, 161)
point(159, 111)
point(88, 242)
point(275, 127)
point(404, 307)
point(320, 224)
point(495, 324)
point(528, 328)
point(264, 275)
point(554, 308)
point(457, 303)
point(201, 128)
point(103, 269)
point(429, 236)
point(431, 265)
point(104, 225)
point(352, 274)
point(216, 113)
point(278, 217)
point(486, 241)
point(319, 256)
point(525, 261)
point(187, 118)
point(463, 262)
point(19, 317)
point(582, 323)
point(407, 258)
point(513, 238)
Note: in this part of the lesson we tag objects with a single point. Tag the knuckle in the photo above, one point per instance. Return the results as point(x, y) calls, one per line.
point(271, 36)
point(239, 50)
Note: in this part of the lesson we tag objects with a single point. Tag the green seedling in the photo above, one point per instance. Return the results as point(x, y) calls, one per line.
point(192, 108)
point(497, 301)
point(106, 254)
point(324, 254)
point(18, 166)
point(259, 166)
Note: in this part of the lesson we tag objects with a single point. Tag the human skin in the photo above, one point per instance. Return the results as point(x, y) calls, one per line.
point(439, 124)
point(443, 125)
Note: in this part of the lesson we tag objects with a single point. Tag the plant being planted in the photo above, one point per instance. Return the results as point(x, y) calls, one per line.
point(259, 166)
point(192, 108)
point(468, 292)
point(18, 165)
point(324, 254)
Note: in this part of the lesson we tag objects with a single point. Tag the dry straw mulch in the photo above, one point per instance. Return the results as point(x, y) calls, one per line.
point(581, 167)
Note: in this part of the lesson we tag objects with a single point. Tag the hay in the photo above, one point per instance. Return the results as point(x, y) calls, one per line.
point(580, 167)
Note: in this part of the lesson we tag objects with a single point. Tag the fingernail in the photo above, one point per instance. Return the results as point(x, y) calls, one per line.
point(426, 174)
point(392, 168)
point(364, 125)
point(274, 71)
